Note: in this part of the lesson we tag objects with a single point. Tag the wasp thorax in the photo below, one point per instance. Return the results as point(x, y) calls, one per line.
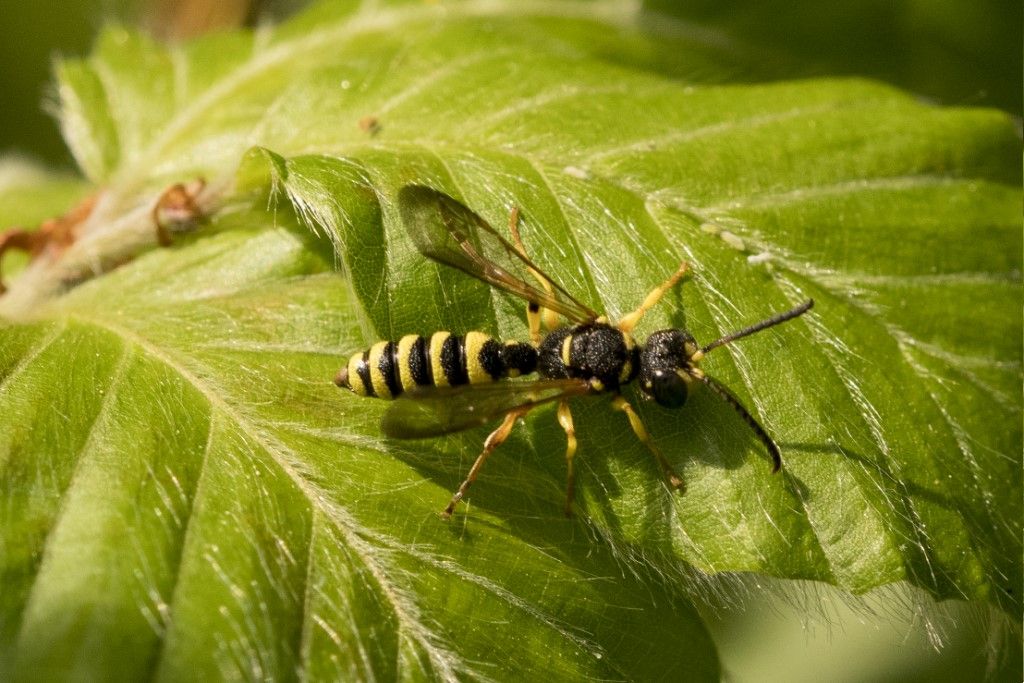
point(665, 364)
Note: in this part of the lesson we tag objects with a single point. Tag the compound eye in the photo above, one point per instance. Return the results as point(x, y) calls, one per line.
point(669, 389)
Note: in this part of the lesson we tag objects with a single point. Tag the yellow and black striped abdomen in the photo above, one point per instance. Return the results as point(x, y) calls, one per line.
point(388, 369)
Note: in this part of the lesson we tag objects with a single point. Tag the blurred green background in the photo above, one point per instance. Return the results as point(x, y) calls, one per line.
point(949, 51)
point(33, 34)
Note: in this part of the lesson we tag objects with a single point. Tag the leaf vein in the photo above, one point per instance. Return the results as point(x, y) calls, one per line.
point(32, 355)
point(446, 660)
point(187, 532)
point(727, 126)
point(113, 385)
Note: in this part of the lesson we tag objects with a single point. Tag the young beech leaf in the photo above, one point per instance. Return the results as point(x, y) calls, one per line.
point(186, 492)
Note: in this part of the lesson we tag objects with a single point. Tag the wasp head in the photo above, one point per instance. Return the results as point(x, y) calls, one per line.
point(668, 365)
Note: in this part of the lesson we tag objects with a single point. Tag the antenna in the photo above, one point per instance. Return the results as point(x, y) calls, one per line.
point(727, 396)
point(764, 324)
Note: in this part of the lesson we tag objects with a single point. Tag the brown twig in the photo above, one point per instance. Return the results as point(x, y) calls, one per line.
point(177, 210)
point(52, 237)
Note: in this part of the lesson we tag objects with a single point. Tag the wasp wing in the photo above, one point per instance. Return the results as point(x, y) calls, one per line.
point(443, 230)
point(435, 411)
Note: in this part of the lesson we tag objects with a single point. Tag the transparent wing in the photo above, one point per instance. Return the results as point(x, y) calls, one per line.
point(435, 411)
point(445, 230)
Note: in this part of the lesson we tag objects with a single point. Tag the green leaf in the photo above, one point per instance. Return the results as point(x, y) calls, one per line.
point(205, 503)
point(187, 492)
point(30, 195)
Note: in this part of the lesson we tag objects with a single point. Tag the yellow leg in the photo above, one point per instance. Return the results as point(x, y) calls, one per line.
point(629, 322)
point(550, 318)
point(565, 419)
point(534, 313)
point(641, 433)
point(496, 438)
point(533, 316)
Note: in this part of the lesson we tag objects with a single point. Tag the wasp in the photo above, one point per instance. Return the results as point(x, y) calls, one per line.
point(446, 383)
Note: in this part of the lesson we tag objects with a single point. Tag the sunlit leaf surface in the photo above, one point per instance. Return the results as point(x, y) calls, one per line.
point(185, 493)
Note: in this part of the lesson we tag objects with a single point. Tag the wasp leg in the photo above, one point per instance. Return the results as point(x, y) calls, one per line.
point(534, 313)
point(622, 404)
point(495, 439)
point(565, 419)
point(533, 317)
point(629, 321)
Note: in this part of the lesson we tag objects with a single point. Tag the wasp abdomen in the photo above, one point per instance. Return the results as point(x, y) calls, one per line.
point(388, 369)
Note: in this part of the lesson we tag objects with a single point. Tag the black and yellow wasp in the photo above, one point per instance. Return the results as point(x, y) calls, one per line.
point(446, 383)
